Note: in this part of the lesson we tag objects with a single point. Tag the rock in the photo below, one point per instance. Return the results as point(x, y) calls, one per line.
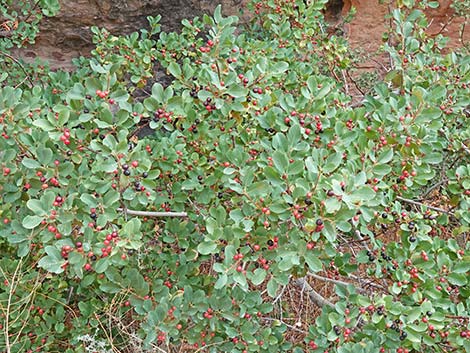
point(68, 34)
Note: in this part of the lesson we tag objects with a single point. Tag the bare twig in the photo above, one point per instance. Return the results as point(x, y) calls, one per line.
point(416, 203)
point(314, 295)
point(114, 349)
point(281, 294)
point(359, 236)
point(6, 34)
point(370, 283)
point(9, 303)
point(346, 86)
point(431, 188)
point(16, 61)
point(449, 21)
point(465, 148)
point(153, 214)
point(355, 83)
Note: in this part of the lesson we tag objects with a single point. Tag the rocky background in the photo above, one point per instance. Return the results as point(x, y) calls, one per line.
point(68, 34)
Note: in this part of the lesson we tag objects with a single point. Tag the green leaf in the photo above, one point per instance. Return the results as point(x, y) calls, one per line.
point(218, 14)
point(157, 92)
point(272, 287)
point(332, 205)
point(89, 200)
point(461, 267)
point(174, 69)
point(237, 91)
point(258, 188)
point(102, 265)
point(433, 158)
point(207, 247)
point(77, 92)
point(97, 67)
point(37, 207)
point(281, 162)
point(31, 163)
point(313, 262)
point(381, 169)
point(279, 68)
point(221, 281)
point(332, 162)
point(240, 278)
point(362, 194)
point(293, 135)
point(137, 282)
point(258, 277)
point(385, 156)
point(53, 262)
point(44, 124)
point(458, 279)
point(427, 115)
point(31, 222)
point(111, 198)
point(44, 155)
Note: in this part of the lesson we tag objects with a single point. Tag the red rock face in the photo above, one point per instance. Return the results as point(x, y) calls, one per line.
point(68, 34)
point(365, 31)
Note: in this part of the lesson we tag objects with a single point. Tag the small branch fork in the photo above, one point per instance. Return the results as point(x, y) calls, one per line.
point(316, 297)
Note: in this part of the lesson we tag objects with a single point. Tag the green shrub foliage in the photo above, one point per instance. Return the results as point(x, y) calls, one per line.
point(252, 131)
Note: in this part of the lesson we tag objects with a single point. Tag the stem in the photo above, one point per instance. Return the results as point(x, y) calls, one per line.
point(416, 203)
point(153, 214)
point(19, 64)
point(335, 281)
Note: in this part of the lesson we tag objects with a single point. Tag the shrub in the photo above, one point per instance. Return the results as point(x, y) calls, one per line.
point(259, 173)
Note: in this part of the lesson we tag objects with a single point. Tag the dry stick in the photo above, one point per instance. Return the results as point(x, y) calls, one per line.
point(416, 203)
point(314, 295)
point(7, 314)
point(153, 214)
